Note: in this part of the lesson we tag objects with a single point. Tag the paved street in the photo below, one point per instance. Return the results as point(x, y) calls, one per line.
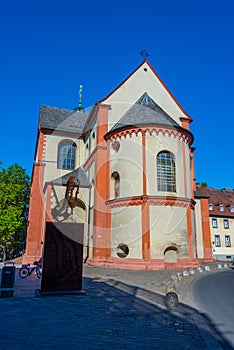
point(213, 295)
point(121, 310)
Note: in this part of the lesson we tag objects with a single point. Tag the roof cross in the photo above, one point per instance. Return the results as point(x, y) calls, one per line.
point(144, 54)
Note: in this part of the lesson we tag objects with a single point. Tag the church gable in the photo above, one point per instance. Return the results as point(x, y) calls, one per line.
point(143, 79)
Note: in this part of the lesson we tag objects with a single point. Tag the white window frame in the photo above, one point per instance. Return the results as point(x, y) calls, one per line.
point(221, 207)
point(226, 223)
point(217, 241)
point(228, 241)
point(214, 223)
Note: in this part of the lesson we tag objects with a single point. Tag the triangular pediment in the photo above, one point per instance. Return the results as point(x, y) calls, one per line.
point(143, 79)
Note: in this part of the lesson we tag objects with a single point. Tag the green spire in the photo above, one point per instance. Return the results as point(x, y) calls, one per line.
point(80, 98)
point(80, 108)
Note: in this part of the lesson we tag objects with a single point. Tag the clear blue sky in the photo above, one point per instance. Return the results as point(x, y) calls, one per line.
point(49, 47)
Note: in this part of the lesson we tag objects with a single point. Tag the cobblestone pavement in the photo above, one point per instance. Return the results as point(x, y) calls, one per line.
point(121, 310)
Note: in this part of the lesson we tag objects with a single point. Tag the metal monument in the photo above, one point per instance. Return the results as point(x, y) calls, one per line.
point(63, 251)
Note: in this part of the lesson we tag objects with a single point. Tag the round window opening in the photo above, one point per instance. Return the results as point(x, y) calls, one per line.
point(115, 175)
point(122, 250)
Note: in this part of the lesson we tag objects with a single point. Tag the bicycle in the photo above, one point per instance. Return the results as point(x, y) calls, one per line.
point(26, 270)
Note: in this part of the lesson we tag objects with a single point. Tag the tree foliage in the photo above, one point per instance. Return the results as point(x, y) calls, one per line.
point(14, 199)
point(204, 185)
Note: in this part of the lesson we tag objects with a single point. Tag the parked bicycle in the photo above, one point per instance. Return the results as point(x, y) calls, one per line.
point(26, 270)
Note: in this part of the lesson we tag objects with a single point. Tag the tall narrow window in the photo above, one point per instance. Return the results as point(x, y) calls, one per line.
point(66, 155)
point(225, 223)
point(214, 223)
point(116, 177)
point(217, 241)
point(227, 241)
point(166, 172)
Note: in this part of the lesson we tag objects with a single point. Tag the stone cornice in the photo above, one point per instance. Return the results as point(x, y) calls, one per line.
point(181, 133)
point(152, 200)
point(40, 163)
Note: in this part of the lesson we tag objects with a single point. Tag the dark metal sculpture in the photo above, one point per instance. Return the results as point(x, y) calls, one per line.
point(70, 187)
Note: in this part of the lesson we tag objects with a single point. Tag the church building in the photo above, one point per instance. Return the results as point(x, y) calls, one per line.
point(131, 160)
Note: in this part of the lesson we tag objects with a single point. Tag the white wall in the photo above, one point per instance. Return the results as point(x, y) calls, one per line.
point(51, 154)
point(168, 227)
point(188, 173)
point(199, 233)
point(128, 163)
point(126, 229)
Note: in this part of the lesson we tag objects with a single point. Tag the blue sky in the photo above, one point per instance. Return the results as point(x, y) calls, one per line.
point(50, 47)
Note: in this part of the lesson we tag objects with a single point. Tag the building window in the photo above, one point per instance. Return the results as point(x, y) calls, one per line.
point(227, 241)
point(221, 207)
point(116, 177)
point(214, 223)
point(232, 208)
point(166, 172)
point(210, 206)
point(217, 241)
point(225, 223)
point(66, 155)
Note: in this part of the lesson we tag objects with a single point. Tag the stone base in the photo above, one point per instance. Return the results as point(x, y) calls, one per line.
point(138, 264)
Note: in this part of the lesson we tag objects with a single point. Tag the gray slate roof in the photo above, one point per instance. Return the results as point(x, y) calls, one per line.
point(62, 119)
point(78, 173)
point(145, 112)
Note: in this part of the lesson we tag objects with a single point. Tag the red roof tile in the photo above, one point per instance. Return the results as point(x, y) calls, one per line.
point(217, 197)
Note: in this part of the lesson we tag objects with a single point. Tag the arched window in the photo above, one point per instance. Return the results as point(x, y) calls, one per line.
point(116, 177)
point(166, 172)
point(66, 155)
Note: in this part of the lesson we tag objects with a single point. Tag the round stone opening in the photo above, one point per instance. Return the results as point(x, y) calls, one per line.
point(122, 250)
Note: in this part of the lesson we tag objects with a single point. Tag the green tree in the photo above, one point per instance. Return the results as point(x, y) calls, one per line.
point(14, 199)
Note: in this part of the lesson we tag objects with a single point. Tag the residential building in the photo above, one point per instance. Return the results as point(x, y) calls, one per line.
point(220, 204)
